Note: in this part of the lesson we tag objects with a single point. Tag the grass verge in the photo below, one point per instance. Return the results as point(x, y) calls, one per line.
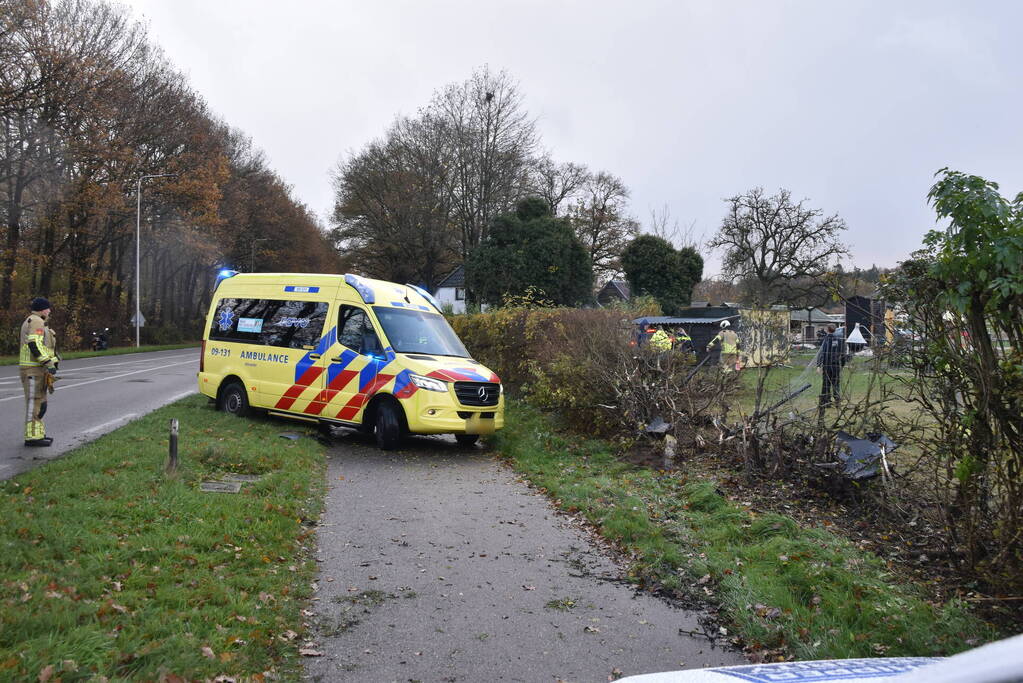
point(794, 591)
point(112, 569)
point(116, 351)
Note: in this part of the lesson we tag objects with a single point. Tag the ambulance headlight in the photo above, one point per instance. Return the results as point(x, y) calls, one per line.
point(428, 383)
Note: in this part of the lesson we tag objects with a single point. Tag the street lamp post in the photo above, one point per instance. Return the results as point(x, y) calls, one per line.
point(138, 247)
point(252, 252)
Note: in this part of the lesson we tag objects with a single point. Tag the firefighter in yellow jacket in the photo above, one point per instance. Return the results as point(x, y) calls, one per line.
point(729, 341)
point(38, 359)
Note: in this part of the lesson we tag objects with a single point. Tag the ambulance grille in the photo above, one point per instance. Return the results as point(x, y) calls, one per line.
point(468, 393)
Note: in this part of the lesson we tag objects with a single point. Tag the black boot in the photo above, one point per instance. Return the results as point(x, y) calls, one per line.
point(43, 442)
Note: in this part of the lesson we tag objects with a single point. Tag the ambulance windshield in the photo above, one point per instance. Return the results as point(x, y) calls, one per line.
point(411, 331)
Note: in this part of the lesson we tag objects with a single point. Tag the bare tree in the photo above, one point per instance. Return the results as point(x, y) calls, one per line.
point(664, 225)
point(601, 221)
point(716, 290)
point(493, 140)
point(557, 183)
point(393, 209)
point(779, 249)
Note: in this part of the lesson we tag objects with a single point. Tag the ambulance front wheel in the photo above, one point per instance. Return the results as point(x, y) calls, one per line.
point(234, 400)
point(390, 427)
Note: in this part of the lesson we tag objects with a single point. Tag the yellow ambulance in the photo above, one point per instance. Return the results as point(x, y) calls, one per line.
point(344, 350)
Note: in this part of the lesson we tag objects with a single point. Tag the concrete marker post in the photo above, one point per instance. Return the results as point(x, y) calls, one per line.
point(172, 459)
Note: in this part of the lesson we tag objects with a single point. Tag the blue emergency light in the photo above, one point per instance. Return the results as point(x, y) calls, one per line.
point(223, 275)
point(364, 290)
point(426, 295)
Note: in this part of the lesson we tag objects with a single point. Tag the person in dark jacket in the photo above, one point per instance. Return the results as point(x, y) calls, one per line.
point(830, 359)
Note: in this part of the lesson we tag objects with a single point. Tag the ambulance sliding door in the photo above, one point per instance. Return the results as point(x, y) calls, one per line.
point(288, 367)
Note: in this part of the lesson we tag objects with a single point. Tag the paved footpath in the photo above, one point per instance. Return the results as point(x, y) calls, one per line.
point(438, 564)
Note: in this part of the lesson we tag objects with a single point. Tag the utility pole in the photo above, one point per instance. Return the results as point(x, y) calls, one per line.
point(252, 252)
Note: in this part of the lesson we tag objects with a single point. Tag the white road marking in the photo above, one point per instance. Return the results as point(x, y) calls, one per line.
point(128, 417)
point(90, 366)
point(123, 418)
point(104, 379)
point(124, 362)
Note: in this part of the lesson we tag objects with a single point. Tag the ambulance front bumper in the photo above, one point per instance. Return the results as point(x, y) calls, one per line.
point(430, 412)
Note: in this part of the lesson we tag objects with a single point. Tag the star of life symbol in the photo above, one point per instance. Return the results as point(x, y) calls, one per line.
point(225, 320)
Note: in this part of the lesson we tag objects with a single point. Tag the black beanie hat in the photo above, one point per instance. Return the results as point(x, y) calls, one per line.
point(40, 304)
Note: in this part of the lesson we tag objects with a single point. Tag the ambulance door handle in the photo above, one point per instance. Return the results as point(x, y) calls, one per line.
point(314, 356)
point(336, 359)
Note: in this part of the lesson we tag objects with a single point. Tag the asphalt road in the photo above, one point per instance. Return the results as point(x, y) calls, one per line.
point(438, 564)
point(93, 396)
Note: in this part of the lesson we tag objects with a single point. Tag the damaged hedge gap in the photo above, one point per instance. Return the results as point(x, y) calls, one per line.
point(784, 589)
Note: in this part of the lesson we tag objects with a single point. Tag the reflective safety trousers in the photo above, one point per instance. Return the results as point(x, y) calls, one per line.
point(33, 381)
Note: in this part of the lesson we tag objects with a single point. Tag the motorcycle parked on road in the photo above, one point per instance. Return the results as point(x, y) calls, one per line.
point(100, 340)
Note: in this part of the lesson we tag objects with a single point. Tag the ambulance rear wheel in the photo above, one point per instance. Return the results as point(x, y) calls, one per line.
point(234, 400)
point(389, 426)
point(466, 440)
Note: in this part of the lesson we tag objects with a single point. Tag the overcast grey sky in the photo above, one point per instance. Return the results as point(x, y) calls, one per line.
point(853, 105)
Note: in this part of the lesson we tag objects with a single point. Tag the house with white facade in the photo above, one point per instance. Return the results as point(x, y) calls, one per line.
point(451, 291)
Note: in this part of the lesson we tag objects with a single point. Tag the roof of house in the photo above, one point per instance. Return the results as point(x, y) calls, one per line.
point(622, 286)
point(816, 316)
point(455, 278)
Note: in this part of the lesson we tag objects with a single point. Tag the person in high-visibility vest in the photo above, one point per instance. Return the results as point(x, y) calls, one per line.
point(729, 342)
point(38, 357)
point(683, 342)
point(660, 341)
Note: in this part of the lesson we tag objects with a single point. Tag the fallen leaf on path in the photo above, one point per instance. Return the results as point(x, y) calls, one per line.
point(309, 652)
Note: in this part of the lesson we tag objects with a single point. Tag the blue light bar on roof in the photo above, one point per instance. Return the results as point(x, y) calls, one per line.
point(426, 295)
point(223, 275)
point(364, 290)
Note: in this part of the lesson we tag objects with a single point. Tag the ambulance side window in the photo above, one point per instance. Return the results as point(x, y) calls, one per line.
point(269, 322)
point(239, 320)
point(355, 330)
point(294, 324)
